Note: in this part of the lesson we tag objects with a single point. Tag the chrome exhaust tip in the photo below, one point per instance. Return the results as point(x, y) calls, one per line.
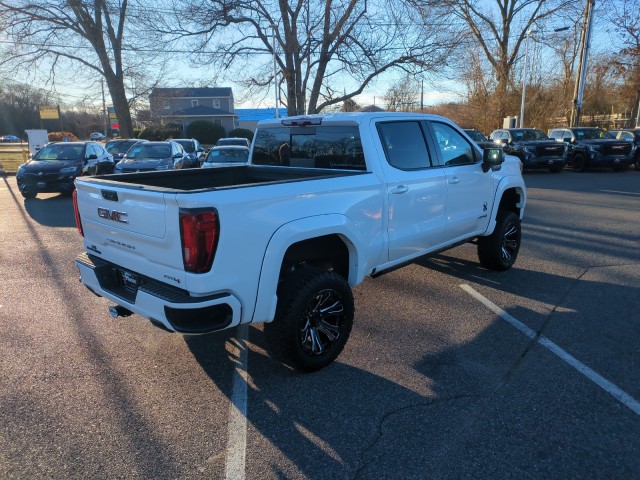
point(117, 311)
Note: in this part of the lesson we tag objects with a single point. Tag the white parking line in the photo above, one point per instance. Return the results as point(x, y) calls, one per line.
point(599, 380)
point(237, 429)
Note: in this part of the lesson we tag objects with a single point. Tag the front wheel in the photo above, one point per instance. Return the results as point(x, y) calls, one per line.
point(29, 193)
point(499, 250)
point(579, 163)
point(313, 319)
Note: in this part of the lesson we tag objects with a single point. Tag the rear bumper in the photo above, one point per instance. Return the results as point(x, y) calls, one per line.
point(165, 305)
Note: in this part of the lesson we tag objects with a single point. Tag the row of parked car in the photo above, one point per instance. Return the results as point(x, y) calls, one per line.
point(580, 148)
point(56, 165)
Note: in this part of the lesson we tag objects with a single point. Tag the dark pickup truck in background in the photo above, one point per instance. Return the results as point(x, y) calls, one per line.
point(592, 147)
point(633, 135)
point(532, 147)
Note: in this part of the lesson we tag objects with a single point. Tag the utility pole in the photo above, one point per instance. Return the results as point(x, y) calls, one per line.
point(275, 71)
point(581, 74)
point(524, 75)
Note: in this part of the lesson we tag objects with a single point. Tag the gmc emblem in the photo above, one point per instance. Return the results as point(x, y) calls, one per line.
point(113, 215)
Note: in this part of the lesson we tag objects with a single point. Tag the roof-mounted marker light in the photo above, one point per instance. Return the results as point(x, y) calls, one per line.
point(301, 121)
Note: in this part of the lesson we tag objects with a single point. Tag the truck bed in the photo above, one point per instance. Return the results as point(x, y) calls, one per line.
point(196, 179)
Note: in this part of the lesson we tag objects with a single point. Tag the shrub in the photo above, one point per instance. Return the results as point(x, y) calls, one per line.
point(58, 136)
point(242, 132)
point(205, 132)
point(161, 132)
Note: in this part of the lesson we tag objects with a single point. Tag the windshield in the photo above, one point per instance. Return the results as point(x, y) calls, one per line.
point(59, 152)
point(188, 145)
point(147, 152)
point(476, 136)
point(589, 133)
point(232, 141)
point(528, 134)
point(119, 146)
point(228, 156)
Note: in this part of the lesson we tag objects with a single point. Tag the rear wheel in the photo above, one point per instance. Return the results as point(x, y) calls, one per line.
point(499, 250)
point(313, 319)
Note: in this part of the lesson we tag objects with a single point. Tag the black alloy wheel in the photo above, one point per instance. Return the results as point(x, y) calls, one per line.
point(499, 250)
point(313, 319)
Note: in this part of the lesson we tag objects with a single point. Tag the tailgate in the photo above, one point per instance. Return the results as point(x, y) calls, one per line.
point(134, 228)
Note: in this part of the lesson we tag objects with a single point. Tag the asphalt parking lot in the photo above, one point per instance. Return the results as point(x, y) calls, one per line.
point(452, 371)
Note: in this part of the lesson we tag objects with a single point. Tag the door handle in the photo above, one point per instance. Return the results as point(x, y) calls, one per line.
point(399, 189)
point(454, 180)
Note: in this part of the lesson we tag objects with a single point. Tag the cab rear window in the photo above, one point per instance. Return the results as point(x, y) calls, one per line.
point(311, 147)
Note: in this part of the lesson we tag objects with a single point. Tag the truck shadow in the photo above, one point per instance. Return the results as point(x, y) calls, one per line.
point(347, 422)
point(322, 423)
point(51, 212)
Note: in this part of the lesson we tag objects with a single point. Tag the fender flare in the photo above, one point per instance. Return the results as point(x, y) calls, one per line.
point(297, 231)
point(505, 184)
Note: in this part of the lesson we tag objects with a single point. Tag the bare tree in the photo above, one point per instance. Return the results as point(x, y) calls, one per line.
point(624, 15)
point(404, 95)
point(326, 52)
point(499, 28)
point(88, 33)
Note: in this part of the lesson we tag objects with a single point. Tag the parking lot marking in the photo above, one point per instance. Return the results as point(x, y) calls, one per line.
point(237, 429)
point(596, 378)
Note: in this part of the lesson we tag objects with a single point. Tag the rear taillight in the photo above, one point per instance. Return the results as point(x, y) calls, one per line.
point(199, 231)
point(77, 212)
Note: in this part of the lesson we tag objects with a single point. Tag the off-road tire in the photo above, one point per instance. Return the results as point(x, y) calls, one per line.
point(499, 250)
point(313, 319)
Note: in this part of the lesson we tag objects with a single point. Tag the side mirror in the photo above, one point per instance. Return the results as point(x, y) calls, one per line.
point(492, 157)
point(177, 155)
point(93, 156)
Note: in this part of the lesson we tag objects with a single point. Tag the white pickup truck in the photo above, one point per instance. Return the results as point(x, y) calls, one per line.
point(325, 201)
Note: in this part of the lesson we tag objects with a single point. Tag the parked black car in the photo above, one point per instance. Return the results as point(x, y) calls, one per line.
point(56, 165)
point(149, 156)
point(119, 147)
point(482, 141)
point(194, 151)
point(592, 147)
point(532, 147)
point(632, 135)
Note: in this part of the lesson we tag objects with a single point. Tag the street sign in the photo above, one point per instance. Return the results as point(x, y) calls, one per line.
point(49, 113)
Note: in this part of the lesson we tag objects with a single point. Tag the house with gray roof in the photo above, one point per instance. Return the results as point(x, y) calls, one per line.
point(186, 105)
